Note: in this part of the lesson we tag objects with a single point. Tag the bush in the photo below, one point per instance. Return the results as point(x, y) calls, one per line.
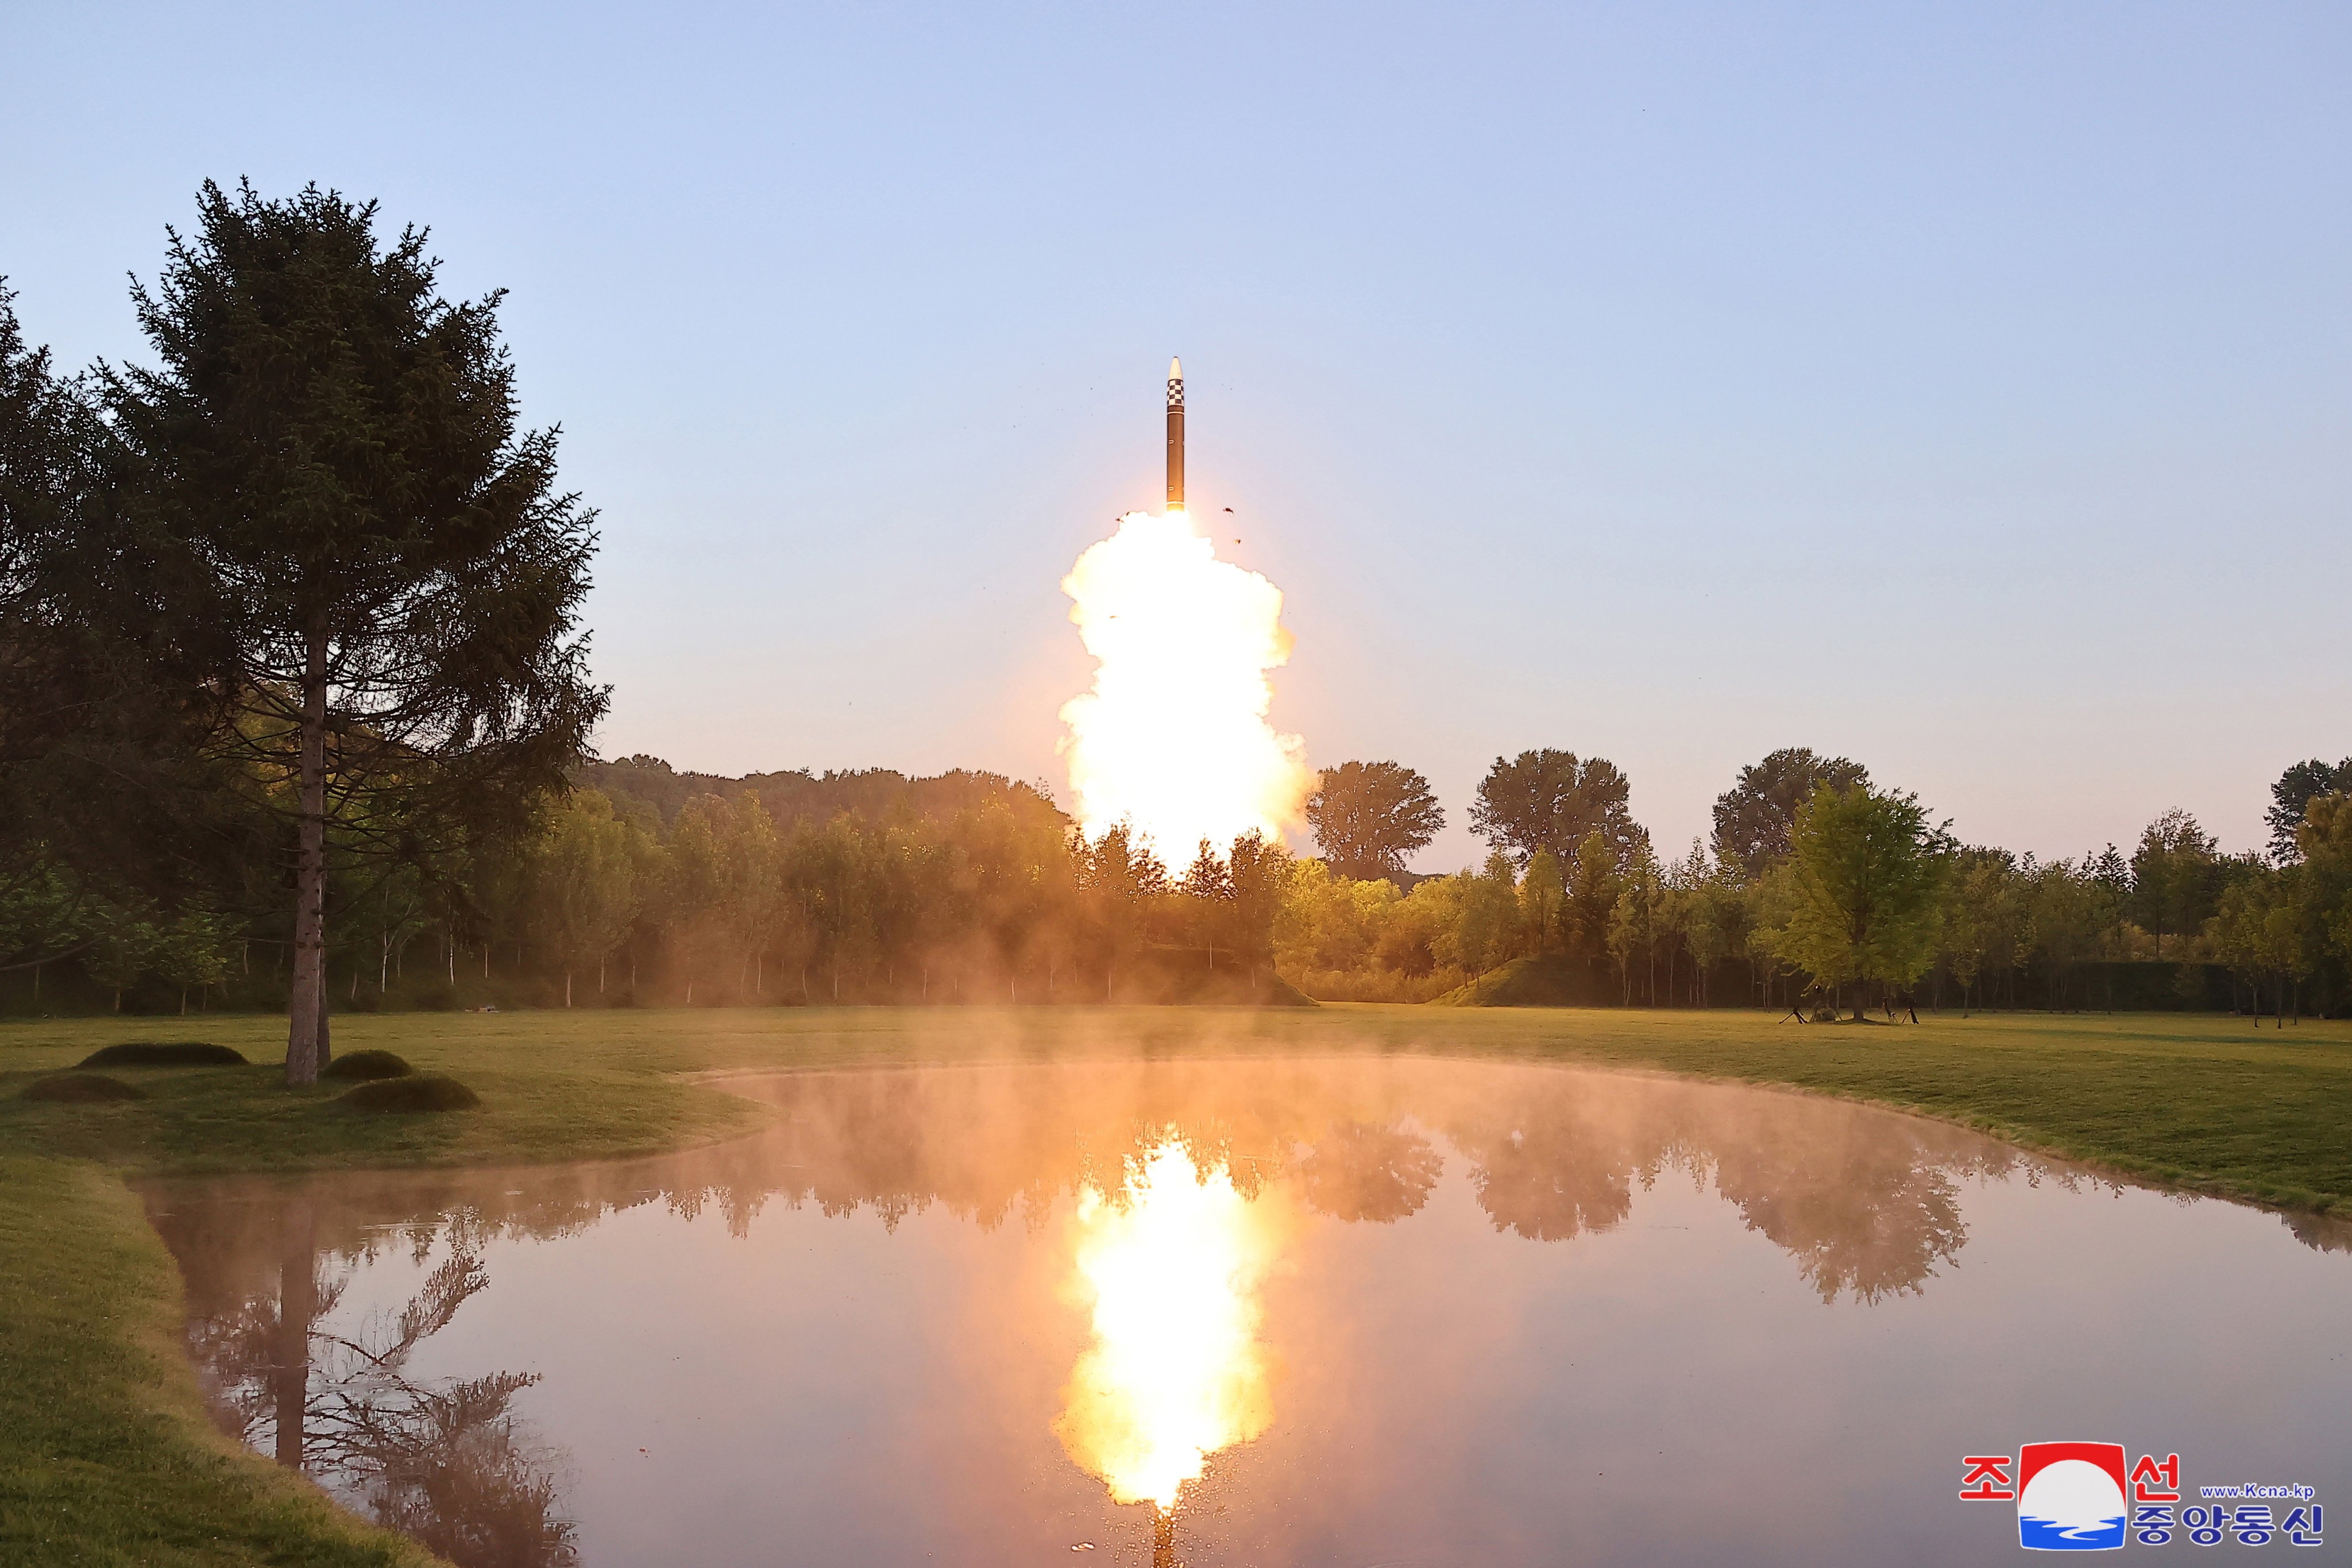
point(367, 1067)
point(423, 1091)
point(164, 1054)
point(82, 1088)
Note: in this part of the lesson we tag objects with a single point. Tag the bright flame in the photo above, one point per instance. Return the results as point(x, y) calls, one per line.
point(1176, 1371)
point(1174, 737)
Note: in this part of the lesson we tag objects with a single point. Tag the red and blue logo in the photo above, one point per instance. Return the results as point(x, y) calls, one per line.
point(2070, 1497)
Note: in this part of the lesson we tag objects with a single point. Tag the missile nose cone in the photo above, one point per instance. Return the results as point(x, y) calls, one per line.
point(1175, 368)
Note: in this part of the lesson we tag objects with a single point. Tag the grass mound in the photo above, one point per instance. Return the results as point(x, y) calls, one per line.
point(420, 1092)
point(164, 1054)
point(82, 1088)
point(1281, 993)
point(1552, 980)
point(367, 1067)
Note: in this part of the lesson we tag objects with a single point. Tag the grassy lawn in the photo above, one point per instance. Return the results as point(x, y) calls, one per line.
point(106, 1456)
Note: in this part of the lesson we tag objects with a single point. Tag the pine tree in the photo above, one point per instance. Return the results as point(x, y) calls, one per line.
point(370, 567)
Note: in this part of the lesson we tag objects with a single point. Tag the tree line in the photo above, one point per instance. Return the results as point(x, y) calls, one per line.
point(295, 710)
point(1818, 890)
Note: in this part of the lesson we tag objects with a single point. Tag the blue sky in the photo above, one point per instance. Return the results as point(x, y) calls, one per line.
point(1967, 390)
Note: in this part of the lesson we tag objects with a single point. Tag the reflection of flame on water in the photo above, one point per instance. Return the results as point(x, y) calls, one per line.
point(1171, 1266)
point(1173, 738)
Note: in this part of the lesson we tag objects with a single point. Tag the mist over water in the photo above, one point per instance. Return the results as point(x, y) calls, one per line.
point(1407, 1310)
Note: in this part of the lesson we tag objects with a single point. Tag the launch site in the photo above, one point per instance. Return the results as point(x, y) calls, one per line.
point(1415, 787)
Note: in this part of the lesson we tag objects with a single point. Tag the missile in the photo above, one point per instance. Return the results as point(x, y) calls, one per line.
point(1175, 435)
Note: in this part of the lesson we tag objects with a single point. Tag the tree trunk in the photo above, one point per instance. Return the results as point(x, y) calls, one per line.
point(297, 1306)
point(307, 1004)
point(567, 985)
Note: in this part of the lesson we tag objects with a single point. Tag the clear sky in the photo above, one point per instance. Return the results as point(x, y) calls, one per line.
point(1964, 389)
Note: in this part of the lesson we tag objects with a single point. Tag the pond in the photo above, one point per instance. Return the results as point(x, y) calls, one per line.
point(1351, 1310)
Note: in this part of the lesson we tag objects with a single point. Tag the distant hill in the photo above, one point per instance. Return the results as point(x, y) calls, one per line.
point(870, 794)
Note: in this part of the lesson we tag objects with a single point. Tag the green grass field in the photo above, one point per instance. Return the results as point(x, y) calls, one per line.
point(106, 1456)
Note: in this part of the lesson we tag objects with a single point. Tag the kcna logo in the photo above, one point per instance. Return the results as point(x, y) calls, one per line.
point(2079, 1497)
point(2069, 1496)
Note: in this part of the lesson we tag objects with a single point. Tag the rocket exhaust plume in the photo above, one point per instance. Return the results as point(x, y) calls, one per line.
point(1174, 737)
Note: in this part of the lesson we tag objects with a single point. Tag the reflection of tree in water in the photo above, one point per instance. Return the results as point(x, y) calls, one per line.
point(440, 1461)
point(1865, 1202)
point(1361, 1172)
point(1553, 1170)
point(2321, 1233)
point(1868, 1215)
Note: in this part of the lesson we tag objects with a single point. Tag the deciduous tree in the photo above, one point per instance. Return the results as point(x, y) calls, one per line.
point(1550, 800)
point(1867, 872)
point(1755, 817)
point(1486, 930)
point(2296, 790)
point(1368, 818)
point(2176, 873)
point(586, 878)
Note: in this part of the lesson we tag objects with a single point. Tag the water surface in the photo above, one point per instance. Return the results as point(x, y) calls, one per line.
point(1347, 1311)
